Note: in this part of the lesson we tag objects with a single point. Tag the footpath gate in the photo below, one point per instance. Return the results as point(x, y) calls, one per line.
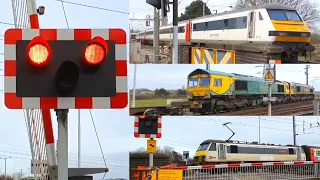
point(245, 171)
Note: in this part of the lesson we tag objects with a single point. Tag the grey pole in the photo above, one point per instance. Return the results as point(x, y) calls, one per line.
point(79, 139)
point(294, 131)
point(134, 87)
point(269, 95)
point(62, 117)
point(175, 33)
point(156, 36)
point(151, 158)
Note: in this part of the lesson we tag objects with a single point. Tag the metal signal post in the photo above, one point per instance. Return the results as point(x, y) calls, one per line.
point(175, 52)
point(156, 36)
point(269, 95)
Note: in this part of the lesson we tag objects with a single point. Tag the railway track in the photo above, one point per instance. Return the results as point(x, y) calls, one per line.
point(291, 109)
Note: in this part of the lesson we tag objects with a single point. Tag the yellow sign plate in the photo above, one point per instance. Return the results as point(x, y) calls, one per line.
point(151, 146)
point(168, 174)
point(268, 75)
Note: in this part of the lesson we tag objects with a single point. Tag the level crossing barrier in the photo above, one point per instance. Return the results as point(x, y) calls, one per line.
point(244, 171)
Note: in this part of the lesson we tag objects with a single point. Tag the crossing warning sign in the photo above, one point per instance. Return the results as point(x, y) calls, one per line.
point(268, 75)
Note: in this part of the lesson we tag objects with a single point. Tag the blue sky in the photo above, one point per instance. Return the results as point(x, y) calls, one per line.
point(175, 76)
point(140, 9)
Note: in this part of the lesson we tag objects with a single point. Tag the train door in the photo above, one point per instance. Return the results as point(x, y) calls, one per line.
point(222, 152)
point(251, 24)
point(188, 32)
point(299, 154)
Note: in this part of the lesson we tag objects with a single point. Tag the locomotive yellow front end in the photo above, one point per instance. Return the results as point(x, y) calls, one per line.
point(291, 33)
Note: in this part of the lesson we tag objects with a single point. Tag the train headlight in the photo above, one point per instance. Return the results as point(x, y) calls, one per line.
point(305, 35)
point(189, 94)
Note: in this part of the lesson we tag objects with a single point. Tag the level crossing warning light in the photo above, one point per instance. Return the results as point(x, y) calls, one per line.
point(65, 69)
point(147, 126)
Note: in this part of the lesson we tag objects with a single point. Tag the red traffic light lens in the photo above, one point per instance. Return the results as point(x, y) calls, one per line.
point(96, 51)
point(94, 54)
point(38, 51)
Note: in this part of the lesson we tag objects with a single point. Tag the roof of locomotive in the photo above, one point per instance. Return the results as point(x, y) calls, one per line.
point(238, 76)
point(273, 6)
point(239, 142)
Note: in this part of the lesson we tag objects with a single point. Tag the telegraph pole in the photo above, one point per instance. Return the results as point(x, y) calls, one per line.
point(294, 131)
point(156, 36)
point(5, 165)
point(175, 33)
point(307, 73)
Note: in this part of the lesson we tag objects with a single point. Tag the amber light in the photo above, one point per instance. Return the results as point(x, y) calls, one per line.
point(38, 51)
point(96, 51)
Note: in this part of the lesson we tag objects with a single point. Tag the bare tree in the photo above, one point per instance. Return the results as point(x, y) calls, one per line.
point(308, 9)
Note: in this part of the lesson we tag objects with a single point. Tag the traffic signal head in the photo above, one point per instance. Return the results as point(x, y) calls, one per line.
point(148, 126)
point(66, 68)
point(155, 3)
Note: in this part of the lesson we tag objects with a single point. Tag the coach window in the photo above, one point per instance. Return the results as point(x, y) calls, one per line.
point(193, 82)
point(217, 82)
point(232, 23)
point(225, 22)
point(291, 151)
point(241, 85)
point(213, 147)
point(194, 26)
point(311, 90)
point(298, 89)
point(233, 149)
point(280, 88)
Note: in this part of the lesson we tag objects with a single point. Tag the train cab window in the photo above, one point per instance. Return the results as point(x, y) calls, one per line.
point(317, 153)
point(217, 82)
point(194, 27)
point(193, 82)
point(260, 17)
point(283, 15)
point(203, 147)
point(213, 147)
point(204, 82)
point(241, 85)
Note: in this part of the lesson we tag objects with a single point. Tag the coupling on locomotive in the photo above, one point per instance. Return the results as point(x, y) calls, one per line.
point(270, 24)
point(213, 91)
point(232, 151)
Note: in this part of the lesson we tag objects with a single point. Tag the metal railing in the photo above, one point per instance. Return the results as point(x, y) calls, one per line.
point(245, 171)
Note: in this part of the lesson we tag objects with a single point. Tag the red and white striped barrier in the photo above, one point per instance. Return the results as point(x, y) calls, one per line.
point(244, 165)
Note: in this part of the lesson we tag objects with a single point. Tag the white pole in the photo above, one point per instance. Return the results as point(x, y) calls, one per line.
point(79, 140)
point(134, 86)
